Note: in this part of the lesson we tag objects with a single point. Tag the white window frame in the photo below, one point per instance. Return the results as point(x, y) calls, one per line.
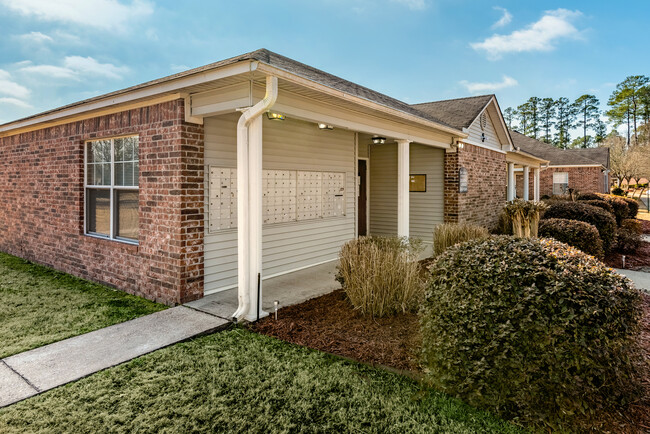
point(566, 177)
point(112, 187)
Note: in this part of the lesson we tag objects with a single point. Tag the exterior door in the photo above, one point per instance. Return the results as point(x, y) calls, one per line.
point(362, 199)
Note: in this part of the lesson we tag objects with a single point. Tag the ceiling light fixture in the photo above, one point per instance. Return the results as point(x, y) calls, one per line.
point(378, 140)
point(325, 127)
point(275, 116)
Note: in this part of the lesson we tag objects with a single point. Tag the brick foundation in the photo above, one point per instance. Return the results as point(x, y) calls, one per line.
point(486, 193)
point(42, 208)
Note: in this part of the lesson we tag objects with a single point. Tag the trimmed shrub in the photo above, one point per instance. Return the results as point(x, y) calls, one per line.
point(450, 234)
point(575, 233)
point(524, 217)
point(628, 236)
point(600, 204)
point(633, 207)
point(601, 219)
point(618, 191)
point(620, 207)
point(532, 329)
point(590, 196)
point(381, 275)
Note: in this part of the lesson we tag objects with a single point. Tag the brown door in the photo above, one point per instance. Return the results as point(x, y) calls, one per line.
point(362, 200)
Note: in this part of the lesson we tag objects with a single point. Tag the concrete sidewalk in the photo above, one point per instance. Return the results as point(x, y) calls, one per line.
point(32, 372)
point(641, 280)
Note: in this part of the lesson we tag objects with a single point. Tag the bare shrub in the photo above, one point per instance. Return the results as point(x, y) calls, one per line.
point(450, 234)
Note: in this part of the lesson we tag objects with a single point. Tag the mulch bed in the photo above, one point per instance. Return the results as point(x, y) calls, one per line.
point(645, 225)
point(329, 323)
point(639, 260)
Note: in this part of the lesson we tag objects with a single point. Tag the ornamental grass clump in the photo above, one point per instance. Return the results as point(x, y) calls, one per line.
point(449, 234)
point(381, 275)
point(524, 217)
point(532, 329)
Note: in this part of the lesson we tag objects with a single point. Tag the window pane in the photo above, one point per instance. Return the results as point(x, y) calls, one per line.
point(118, 145)
point(127, 214)
point(90, 180)
point(106, 174)
point(131, 144)
point(128, 174)
point(136, 174)
point(98, 211)
point(119, 173)
point(99, 151)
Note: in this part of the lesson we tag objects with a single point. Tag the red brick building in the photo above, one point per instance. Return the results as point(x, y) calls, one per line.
point(583, 170)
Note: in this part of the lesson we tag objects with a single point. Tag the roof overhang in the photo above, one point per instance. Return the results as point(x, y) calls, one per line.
point(179, 86)
point(524, 158)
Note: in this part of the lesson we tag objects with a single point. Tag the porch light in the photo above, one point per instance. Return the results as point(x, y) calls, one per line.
point(275, 116)
point(325, 127)
point(378, 140)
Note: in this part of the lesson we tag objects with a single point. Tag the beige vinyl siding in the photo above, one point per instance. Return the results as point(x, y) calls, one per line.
point(288, 145)
point(474, 130)
point(426, 208)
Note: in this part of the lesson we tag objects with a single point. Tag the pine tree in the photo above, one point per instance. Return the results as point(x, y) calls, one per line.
point(600, 131)
point(547, 112)
point(508, 116)
point(626, 101)
point(566, 115)
point(533, 110)
point(586, 107)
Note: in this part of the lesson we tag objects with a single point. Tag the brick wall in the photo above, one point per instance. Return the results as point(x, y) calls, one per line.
point(41, 203)
point(486, 193)
point(582, 179)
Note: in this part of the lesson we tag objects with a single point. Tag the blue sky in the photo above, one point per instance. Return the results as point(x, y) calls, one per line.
point(54, 52)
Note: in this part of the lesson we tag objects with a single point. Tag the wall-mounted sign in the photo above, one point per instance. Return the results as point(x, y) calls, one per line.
point(418, 183)
point(462, 180)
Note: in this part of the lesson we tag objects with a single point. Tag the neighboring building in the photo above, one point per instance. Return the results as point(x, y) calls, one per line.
point(488, 157)
point(584, 170)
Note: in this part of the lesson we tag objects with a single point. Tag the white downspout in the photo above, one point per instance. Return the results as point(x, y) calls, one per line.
point(243, 218)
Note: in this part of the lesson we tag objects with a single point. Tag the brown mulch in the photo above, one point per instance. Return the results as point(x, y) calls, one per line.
point(645, 225)
point(330, 324)
point(638, 261)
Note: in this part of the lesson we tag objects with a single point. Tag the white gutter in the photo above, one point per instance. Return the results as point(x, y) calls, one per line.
point(243, 200)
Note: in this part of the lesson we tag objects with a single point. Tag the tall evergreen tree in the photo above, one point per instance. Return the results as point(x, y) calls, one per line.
point(566, 115)
point(508, 116)
point(586, 107)
point(600, 131)
point(522, 113)
point(533, 110)
point(626, 101)
point(547, 111)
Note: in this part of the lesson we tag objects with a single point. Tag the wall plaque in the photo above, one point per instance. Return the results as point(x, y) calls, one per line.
point(462, 180)
point(418, 183)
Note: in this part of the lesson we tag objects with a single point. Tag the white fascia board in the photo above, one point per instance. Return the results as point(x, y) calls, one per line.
point(144, 93)
point(576, 165)
point(355, 99)
point(482, 145)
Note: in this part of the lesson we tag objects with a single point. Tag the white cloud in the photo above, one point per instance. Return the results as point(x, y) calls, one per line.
point(90, 66)
point(478, 87)
point(103, 14)
point(35, 37)
point(416, 5)
point(538, 36)
point(77, 67)
point(14, 101)
point(505, 19)
point(10, 87)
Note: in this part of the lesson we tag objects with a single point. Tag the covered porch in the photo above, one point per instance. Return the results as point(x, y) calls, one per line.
point(282, 184)
point(523, 171)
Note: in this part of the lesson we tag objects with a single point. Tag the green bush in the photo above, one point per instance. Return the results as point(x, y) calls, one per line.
point(450, 234)
point(381, 275)
point(601, 219)
point(590, 196)
point(628, 236)
point(633, 207)
point(600, 204)
point(532, 329)
point(618, 191)
point(575, 233)
point(620, 206)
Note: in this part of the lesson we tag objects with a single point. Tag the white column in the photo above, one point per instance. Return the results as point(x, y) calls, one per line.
point(511, 182)
point(536, 185)
point(526, 181)
point(255, 216)
point(403, 179)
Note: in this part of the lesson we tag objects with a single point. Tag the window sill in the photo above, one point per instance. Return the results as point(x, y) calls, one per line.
point(117, 240)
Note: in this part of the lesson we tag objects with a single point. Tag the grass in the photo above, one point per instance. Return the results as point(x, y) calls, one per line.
point(239, 381)
point(40, 306)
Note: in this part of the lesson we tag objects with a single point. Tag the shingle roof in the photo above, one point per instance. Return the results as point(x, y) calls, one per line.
point(459, 112)
point(280, 62)
point(560, 157)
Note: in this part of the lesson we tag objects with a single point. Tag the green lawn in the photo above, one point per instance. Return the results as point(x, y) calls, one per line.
point(39, 306)
point(239, 381)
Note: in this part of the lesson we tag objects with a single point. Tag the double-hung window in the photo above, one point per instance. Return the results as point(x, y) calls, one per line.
point(560, 182)
point(112, 188)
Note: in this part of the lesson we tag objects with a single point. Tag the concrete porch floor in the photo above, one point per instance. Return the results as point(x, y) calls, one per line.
point(288, 289)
